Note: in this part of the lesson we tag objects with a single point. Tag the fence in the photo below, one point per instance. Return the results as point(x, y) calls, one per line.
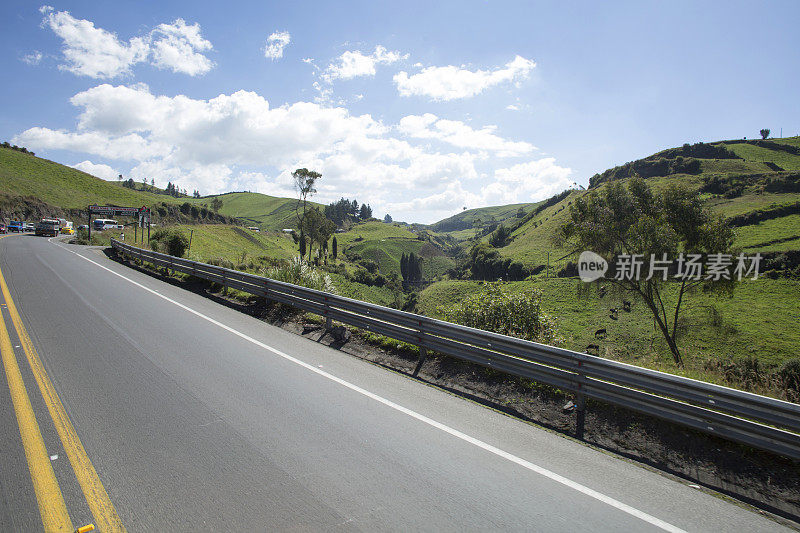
point(751, 419)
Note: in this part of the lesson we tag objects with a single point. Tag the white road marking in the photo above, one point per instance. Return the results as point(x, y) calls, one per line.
point(413, 414)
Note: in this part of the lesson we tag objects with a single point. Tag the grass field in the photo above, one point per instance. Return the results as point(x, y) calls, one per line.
point(761, 236)
point(748, 202)
point(756, 153)
point(211, 241)
point(265, 212)
point(791, 141)
point(25, 175)
point(466, 219)
point(386, 243)
point(714, 329)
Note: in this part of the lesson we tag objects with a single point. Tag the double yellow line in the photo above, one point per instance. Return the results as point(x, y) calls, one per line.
point(52, 508)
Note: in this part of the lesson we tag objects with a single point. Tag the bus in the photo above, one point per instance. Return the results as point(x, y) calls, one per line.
point(100, 224)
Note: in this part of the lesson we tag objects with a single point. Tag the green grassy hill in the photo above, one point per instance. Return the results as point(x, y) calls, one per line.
point(739, 186)
point(466, 220)
point(255, 209)
point(386, 243)
point(65, 187)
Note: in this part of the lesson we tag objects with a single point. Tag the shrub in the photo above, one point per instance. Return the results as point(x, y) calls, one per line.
point(82, 237)
point(789, 374)
point(515, 314)
point(169, 241)
point(299, 272)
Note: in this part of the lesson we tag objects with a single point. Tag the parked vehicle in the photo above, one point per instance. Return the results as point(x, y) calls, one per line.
point(99, 224)
point(48, 227)
point(15, 226)
point(66, 227)
point(30, 226)
point(83, 226)
point(2, 228)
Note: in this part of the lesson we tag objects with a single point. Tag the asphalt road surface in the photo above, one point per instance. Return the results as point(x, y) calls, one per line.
point(160, 410)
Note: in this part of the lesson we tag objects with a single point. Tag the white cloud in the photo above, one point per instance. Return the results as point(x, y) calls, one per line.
point(276, 42)
point(178, 47)
point(513, 107)
point(34, 58)
point(527, 182)
point(352, 64)
point(99, 170)
point(238, 141)
point(122, 148)
point(429, 126)
point(451, 82)
point(97, 53)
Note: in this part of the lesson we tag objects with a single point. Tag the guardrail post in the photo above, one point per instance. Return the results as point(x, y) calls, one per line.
point(580, 404)
point(423, 352)
point(328, 320)
point(224, 284)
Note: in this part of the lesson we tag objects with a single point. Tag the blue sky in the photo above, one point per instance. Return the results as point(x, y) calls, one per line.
point(418, 108)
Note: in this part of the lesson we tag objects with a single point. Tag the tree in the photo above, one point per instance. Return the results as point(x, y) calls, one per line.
point(340, 212)
point(410, 268)
point(216, 204)
point(404, 266)
point(152, 182)
point(318, 229)
point(387, 218)
point(302, 241)
point(764, 133)
point(334, 248)
point(119, 178)
point(366, 212)
point(500, 237)
point(620, 222)
point(304, 181)
point(477, 223)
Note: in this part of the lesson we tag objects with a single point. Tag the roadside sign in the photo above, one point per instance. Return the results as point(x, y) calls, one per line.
point(143, 214)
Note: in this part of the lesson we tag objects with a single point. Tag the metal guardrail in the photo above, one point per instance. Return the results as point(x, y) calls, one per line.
point(751, 419)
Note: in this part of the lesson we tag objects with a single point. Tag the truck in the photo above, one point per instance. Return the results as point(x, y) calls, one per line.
point(48, 227)
point(15, 226)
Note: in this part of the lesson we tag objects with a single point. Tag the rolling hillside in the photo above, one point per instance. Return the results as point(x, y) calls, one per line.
point(64, 187)
point(48, 185)
point(466, 220)
point(255, 209)
point(756, 184)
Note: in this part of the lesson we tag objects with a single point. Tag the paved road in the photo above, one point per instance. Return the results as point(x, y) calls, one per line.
point(195, 417)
